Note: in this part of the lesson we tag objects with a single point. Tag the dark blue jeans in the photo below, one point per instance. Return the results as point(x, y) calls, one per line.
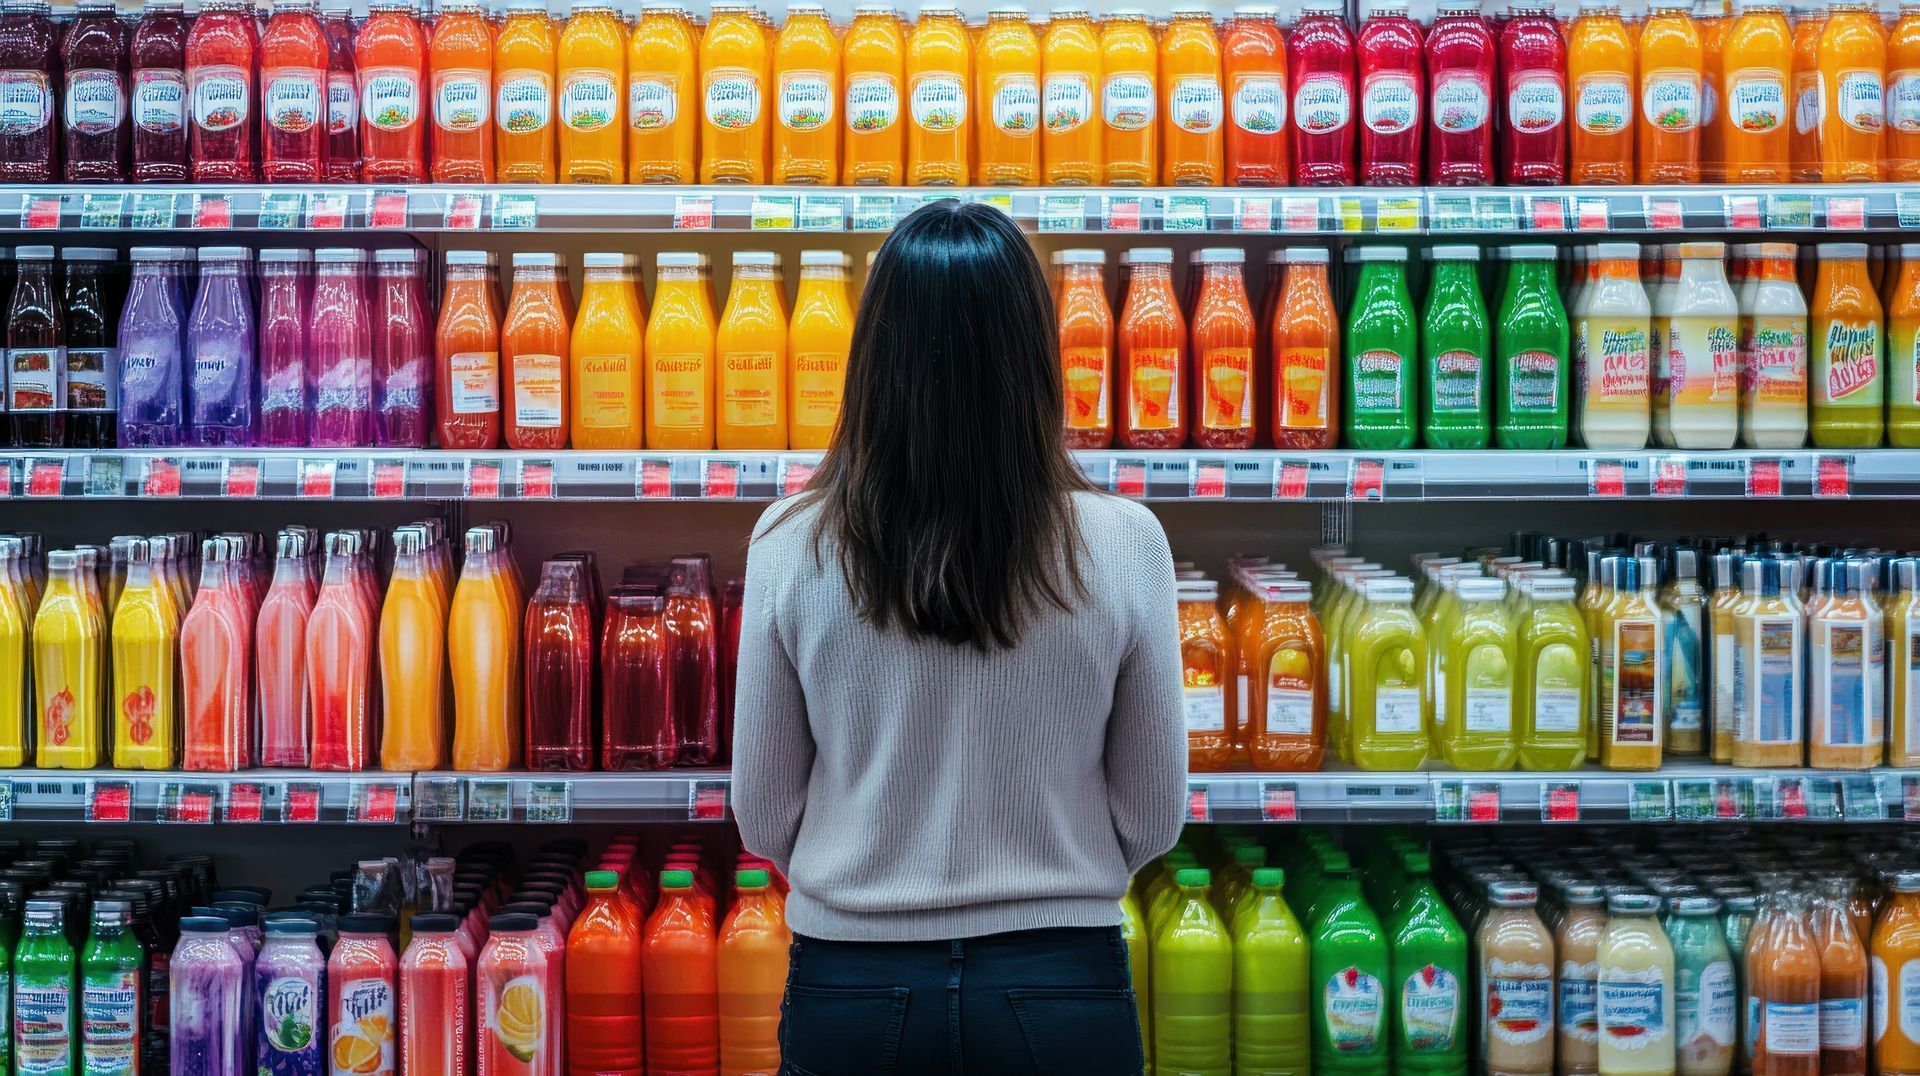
point(1032, 1001)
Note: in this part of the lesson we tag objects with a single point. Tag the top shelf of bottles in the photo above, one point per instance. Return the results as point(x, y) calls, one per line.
point(1401, 212)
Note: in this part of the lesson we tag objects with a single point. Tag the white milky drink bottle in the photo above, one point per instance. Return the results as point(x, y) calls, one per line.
point(1773, 351)
point(1703, 352)
point(1611, 332)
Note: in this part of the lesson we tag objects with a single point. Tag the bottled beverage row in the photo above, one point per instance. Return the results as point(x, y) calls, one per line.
point(1549, 653)
point(338, 656)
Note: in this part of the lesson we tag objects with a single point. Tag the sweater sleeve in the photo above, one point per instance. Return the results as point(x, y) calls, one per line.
point(772, 744)
point(1146, 757)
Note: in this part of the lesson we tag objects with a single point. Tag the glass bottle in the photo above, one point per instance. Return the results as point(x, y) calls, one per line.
point(152, 344)
point(387, 55)
point(36, 352)
point(285, 279)
point(28, 63)
point(1393, 86)
point(693, 660)
point(158, 95)
point(1533, 57)
point(93, 363)
point(1153, 356)
point(93, 53)
point(1460, 127)
point(559, 670)
point(467, 346)
point(222, 56)
point(340, 352)
point(402, 350)
point(1321, 69)
point(340, 162)
point(293, 94)
point(220, 352)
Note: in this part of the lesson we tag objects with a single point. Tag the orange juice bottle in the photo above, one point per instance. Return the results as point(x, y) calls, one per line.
point(460, 57)
point(1128, 100)
point(1852, 60)
point(603, 990)
point(1600, 74)
point(939, 71)
point(1714, 21)
point(483, 641)
point(1190, 72)
point(1803, 145)
point(1007, 86)
point(1671, 62)
point(806, 69)
point(750, 963)
point(1069, 88)
point(1895, 948)
point(591, 68)
point(735, 68)
point(818, 340)
point(750, 355)
point(873, 58)
point(523, 67)
point(1903, 96)
point(661, 83)
point(679, 355)
point(1756, 63)
point(413, 659)
point(1086, 348)
point(679, 979)
point(605, 365)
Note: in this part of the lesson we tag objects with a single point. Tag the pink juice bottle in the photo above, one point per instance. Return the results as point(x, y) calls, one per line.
point(402, 350)
point(342, 158)
point(281, 336)
point(693, 661)
point(28, 62)
point(280, 645)
point(362, 997)
point(1320, 75)
point(559, 670)
point(1460, 52)
point(516, 1000)
point(223, 56)
point(214, 644)
point(1393, 86)
point(339, 659)
point(636, 718)
point(1533, 61)
point(339, 352)
point(158, 97)
point(293, 87)
point(93, 119)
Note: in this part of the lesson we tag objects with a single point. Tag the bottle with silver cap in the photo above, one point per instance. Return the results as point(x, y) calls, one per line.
point(1514, 952)
point(1576, 943)
point(145, 637)
point(286, 734)
point(1530, 349)
point(483, 641)
point(339, 646)
point(215, 686)
point(152, 343)
point(69, 651)
point(1636, 988)
point(593, 55)
point(534, 348)
point(526, 116)
point(220, 352)
point(663, 125)
point(1610, 348)
point(1321, 72)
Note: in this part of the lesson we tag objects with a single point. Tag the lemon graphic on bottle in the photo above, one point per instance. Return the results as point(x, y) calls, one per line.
point(520, 1020)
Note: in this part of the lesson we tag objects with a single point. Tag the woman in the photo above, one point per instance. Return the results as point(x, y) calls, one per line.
point(958, 719)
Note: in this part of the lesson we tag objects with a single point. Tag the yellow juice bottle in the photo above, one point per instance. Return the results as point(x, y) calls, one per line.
point(1852, 60)
point(146, 641)
point(1190, 74)
point(663, 128)
point(1474, 717)
point(523, 76)
point(1385, 674)
point(413, 628)
point(806, 70)
point(735, 70)
point(1755, 107)
point(591, 68)
point(750, 355)
point(68, 647)
point(1671, 64)
point(1129, 100)
point(605, 370)
point(483, 641)
point(1069, 87)
point(874, 59)
point(939, 71)
point(818, 340)
point(679, 356)
point(15, 704)
point(1007, 85)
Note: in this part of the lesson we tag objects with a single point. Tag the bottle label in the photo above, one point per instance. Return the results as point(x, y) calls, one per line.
point(461, 99)
point(1685, 704)
point(1536, 101)
point(873, 103)
point(1084, 372)
point(1703, 361)
point(1518, 1000)
point(96, 101)
point(806, 100)
point(343, 103)
point(42, 1028)
point(91, 384)
point(1462, 101)
point(1708, 1010)
point(653, 103)
point(524, 101)
point(938, 102)
point(1259, 104)
point(819, 383)
point(537, 399)
point(1376, 380)
point(1488, 709)
point(1066, 102)
point(222, 94)
point(110, 1021)
point(1636, 683)
point(1016, 105)
point(1632, 1006)
point(1709, 103)
point(1844, 707)
point(1604, 105)
point(1756, 100)
point(1909, 656)
point(1772, 668)
point(1847, 355)
point(390, 97)
point(1579, 1000)
point(1430, 1009)
point(1206, 708)
point(605, 392)
point(1290, 693)
point(474, 382)
point(1533, 378)
point(1390, 102)
point(1903, 101)
point(364, 1031)
point(1127, 102)
point(1322, 104)
point(1303, 386)
point(292, 98)
point(1908, 1004)
point(36, 378)
point(679, 387)
point(26, 102)
point(590, 100)
point(287, 1012)
point(1877, 992)
point(1194, 104)
point(1791, 1028)
point(1670, 99)
point(748, 394)
point(1843, 1024)
point(1228, 380)
point(1806, 102)
point(1774, 365)
point(1155, 403)
point(1557, 673)
point(1355, 1008)
point(1616, 360)
point(1396, 709)
point(1456, 382)
point(1860, 99)
point(159, 100)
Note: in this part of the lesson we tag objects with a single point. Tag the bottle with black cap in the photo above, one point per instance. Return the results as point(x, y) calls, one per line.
point(522, 1015)
point(290, 975)
point(209, 1035)
point(362, 993)
point(435, 995)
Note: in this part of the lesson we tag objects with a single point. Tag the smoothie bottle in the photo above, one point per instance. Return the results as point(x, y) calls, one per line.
point(1601, 80)
point(1852, 59)
point(679, 353)
point(1576, 943)
point(1703, 356)
point(1530, 355)
point(1428, 971)
point(806, 74)
point(207, 982)
point(523, 80)
point(1636, 986)
point(1773, 353)
point(1322, 69)
point(1192, 959)
point(662, 128)
point(1006, 126)
point(1129, 99)
point(1895, 964)
point(1514, 952)
point(1670, 60)
point(1846, 369)
point(1704, 1000)
point(1611, 352)
point(873, 56)
point(939, 69)
point(1224, 334)
point(1533, 63)
point(1254, 53)
point(290, 988)
point(1783, 986)
point(1350, 970)
point(1392, 88)
point(1154, 404)
point(1381, 341)
point(1456, 347)
point(1756, 62)
point(460, 57)
point(1460, 126)
point(1474, 682)
point(590, 70)
point(1384, 679)
point(1192, 137)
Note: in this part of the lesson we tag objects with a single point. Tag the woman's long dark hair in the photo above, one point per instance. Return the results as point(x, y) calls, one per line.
point(946, 489)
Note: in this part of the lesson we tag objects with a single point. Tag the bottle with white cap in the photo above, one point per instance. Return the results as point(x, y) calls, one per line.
point(1392, 86)
point(818, 342)
point(1701, 403)
point(592, 57)
point(1473, 680)
point(939, 57)
point(1847, 352)
point(1530, 355)
point(1306, 348)
point(603, 370)
point(1459, 54)
point(340, 355)
point(679, 353)
point(1254, 53)
point(1320, 70)
point(1224, 335)
point(533, 354)
point(220, 352)
point(1381, 338)
point(1194, 154)
point(806, 70)
point(1069, 90)
point(152, 342)
point(1455, 347)
point(1086, 348)
point(523, 58)
point(1129, 99)
point(735, 53)
point(872, 57)
point(1773, 353)
point(1007, 125)
point(750, 356)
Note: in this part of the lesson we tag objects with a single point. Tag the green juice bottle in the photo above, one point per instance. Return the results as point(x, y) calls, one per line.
point(1454, 350)
point(1382, 349)
point(1475, 685)
point(110, 973)
point(1348, 979)
point(1530, 346)
point(1385, 669)
point(1270, 968)
point(1429, 975)
point(1192, 985)
point(1133, 930)
point(1551, 703)
point(46, 1036)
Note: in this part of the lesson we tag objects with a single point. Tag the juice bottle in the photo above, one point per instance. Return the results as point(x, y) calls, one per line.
point(112, 966)
point(340, 163)
point(1153, 356)
point(1715, 23)
point(45, 1031)
point(1551, 698)
point(293, 78)
point(16, 660)
point(1631, 661)
point(1533, 59)
point(873, 58)
point(435, 977)
point(1530, 355)
point(1846, 672)
point(590, 69)
point(1783, 970)
point(1903, 349)
point(285, 279)
point(1086, 348)
point(1773, 354)
point(1224, 334)
point(1286, 699)
point(1895, 949)
point(1704, 1002)
point(513, 1035)
point(361, 970)
point(1459, 60)
point(413, 674)
point(604, 370)
point(29, 54)
point(1271, 965)
point(280, 649)
point(1803, 144)
point(1601, 76)
point(752, 974)
point(1205, 666)
point(289, 987)
point(1903, 97)
point(146, 633)
point(751, 354)
point(1306, 349)
point(1476, 663)
point(157, 94)
point(558, 664)
point(1902, 625)
point(1381, 342)
point(1768, 656)
point(735, 69)
point(1756, 62)
point(1193, 966)
point(1393, 84)
point(1514, 952)
point(662, 134)
point(1349, 966)
point(680, 356)
point(402, 365)
point(1455, 349)
point(220, 349)
point(1843, 979)
point(939, 66)
point(67, 655)
point(1321, 72)
point(1636, 985)
point(1007, 81)
point(460, 56)
point(819, 339)
point(1576, 943)
point(483, 641)
point(1129, 100)
point(1847, 363)
point(1193, 144)
point(1670, 63)
point(1852, 59)
point(523, 79)
point(1429, 975)
point(1069, 99)
point(1702, 354)
point(603, 983)
point(1683, 615)
point(340, 663)
point(340, 350)
point(210, 1033)
point(806, 70)
point(680, 978)
point(466, 344)
point(535, 342)
point(1384, 678)
point(387, 54)
point(1610, 352)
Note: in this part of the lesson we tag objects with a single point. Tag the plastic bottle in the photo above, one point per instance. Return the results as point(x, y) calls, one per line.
point(1773, 354)
point(280, 628)
point(289, 987)
point(873, 57)
point(1903, 97)
point(1670, 61)
point(1381, 341)
point(1895, 947)
point(1768, 656)
point(284, 283)
point(483, 634)
point(820, 337)
point(513, 1035)
point(435, 980)
point(152, 343)
point(340, 343)
point(146, 635)
point(293, 88)
point(1254, 63)
point(29, 64)
point(558, 641)
point(1006, 85)
point(1530, 350)
point(1193, 962)
point(679, 348)
point(1551, 696)
point(403, 365)
point(1477, 661)
point(1705, 1001)
point(1515, 956)
point(1322, 71)
point(1129, 99)
point(1576, 942)
point(340, 647)
point(1460, 52)
point(1429, 976)
point(221, 58)
point(208, 982)
point(1601, 79)
point(220, 351)
point(157, 93)
point(214, 641)
point(341, 161)
point(93, 53)
point(1384, 679)
point(1610, 351)
point(1683, 616)
point(46, 1034)
point(67, 653)
point(1305, 333)
point(1271, 968)
point(361, 972)
point(1349, 971)
point(1757, 62)
point(1852, 59)
point(1393, 88)
point(736, 71)
point(590, 70)
point(751, 963)
point(1846, 670)
point(387, 53)
point(1192, 138)
point(1224, 334)
point(1631, 658)
point(677, 962)
point(111, 972)
point(460, 57)
point(806, 78)
point(413, 662)
point(751, 355)
point(535, 340)
point(692, 658)
point(1636, 987)
point(603, 969)
point(1533, 59)
point(523, 79)
point(636, 726)
point(1702, 355)
point(1455, 349)
point(604, 371)
point(1847, 361)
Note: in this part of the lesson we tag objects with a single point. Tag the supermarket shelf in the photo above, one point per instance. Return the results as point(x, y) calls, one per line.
point(262, 796)
point(666, 796)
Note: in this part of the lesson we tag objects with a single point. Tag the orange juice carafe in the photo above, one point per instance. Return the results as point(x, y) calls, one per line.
point(1755, 106)
point(1069, 100)
point(1852, 61)
point(1193, 142)
point(603, 982)
point(1903, 96)
point(523, 77)
point(1671, 62)
point(460, 58)
point(1086, 348)
point(736, 62)
point(873, 58)
point(1600, 76)
point(1128, 101)
point(590, 71)
point(939, 76)
point(818, 341)
point(1714, 21)
point(750, 963)
point(1006, 88)
point(806, 76)
point(663, 123)
point(750, 356)
point(679, 356)
point(605, 367)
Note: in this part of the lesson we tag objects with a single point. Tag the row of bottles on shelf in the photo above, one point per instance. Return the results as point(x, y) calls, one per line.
point(331, 657)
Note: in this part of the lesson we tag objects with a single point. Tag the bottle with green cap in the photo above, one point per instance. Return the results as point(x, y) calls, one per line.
point(1192, 983)
point(1530, 345)
point(1270, 968)
point(1429, 976)
point(47, 1035)
point(752, 964)
point(603, 981)
point(678, 959)
point(1382, 339)
point(1166, 898)
point(1454, 352)
point(1349, 970)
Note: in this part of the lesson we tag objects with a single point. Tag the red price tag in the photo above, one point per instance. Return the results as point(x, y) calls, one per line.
point(794, 476)
point(1670, 478)
point(327, 212)
point(6, 478)
point(1549, 215)
point(46, 478)
point(720, 481)
point(536, 479)
point(193, 806)
point(389, 210)
point(316, 479)
point(708, 803)
point(42, 213)
point(1366, 481)
point(303, 804)
point(242, 479)
point(1129, 478)
point(1591, 214)
point(1563, 804)
point(1608, 478)
point(1763, 478)
point(1197, 808)
point(1256, 214)
point(1724, 803)
point(463, 213)
point(1664, 214)
point(1207, 479)
point(1123, 214)
point(243, 803)
point(1290, 481)
point(389, 480)
point(1793, 799)
point(1743, 212)
point(111, 801)
point(656, 479)
point(1833, 477)
point(483, 480)
point(1483, 805)
point(1302, 214)
point(163, 479)
point(1846, 214)
point(378, 804)
point(212, 211)
point(693, 213)
point(1280, 803)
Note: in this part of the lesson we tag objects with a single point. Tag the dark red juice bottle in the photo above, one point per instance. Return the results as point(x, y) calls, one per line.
point(1460, 52)
point(93, 52)
point(693, 660)
point(293, 94)
point(93, 376)
point(731, 601)
point(158, 55)
point(558, 670)
point(222, 55)
point(1533, 65)
point(36, 353)
point(1320, 74)
point(341, 161)
point(27, 68)
point(1393, 85)
point(636, 726)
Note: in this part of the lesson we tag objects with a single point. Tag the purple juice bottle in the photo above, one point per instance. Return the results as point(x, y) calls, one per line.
point(284, 282)
point(220, 352)
point(94, 117)
point(402, 349)
point(28, 60)
point(290, 985)
point(153, 340)
point(207, 989)
point(340, 352)
point(158, 55)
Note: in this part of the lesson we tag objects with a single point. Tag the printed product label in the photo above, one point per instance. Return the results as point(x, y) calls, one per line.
point(1806, 102)
point(1066, 102)
point(365, 1028)
point(42, 1028)
point(91, 384)
point(1533, 378)
point(1709, 103)
point(1195, 104)
point(1703, 361)
point(1016, 105)
point(1910, 653)
point(1557, 674)
point(1322, 104)
point(288, 1010)
point(1579, 1000)
point(343, 103)
point(653, 102)
point(26, 102)
point(1877, 991)
point(1456, 382)
point(1084, 374)
point(1707, 1009)
point(1228, 383)
point(748, 388)
point(1616, 360)
point(1846, 359)
point(605, 393)
point(222, 95)
point(938, 102)
point(1518, 1001)
point(1396, 709)
point(36, 378)
point(1843, 1023)
point(537, 401)
point(1636, 682)
point(1376, 380)
point(1773, 366)
point(1756, 100)
point(1127, 102)
point(1840, 668)
point(1632, 1007)
point(1206, 708)
point(1390, 102)
point(1861, 101)
point(1903, 101)
point(475, 382)
point(1670, 99)
point(1908, 1003)
point(1462, 101)
point(524, 101)
point(1355, 1009)
point(110, 1022)
point(1486, 679)
point(1773, 670)
point(1685, 706)
point(873, 103)
point(1726, 701)
point(819, 381)
point(806, 100)
point(1791, 1028)
point(1259, 103)
point(1303, 386)
point(291, 98)
point(159, 100)
point(1290, 693)
point(462, 100)
point(389, 97)
point(96, 101)
point(1604, 104)
point(678, 384)
point(1536, 101)
point(590, 100)
point(1155, 403)
point(1430, 1009)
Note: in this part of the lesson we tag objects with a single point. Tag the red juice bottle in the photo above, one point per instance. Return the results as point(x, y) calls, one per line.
point(636, 725)
point(558, 670)
point(158, 55)
point(387, 53)
point(1460, 52)
point(27, 66)
point(1254, 54)
point(1320, 73)
point(402, 349)
point(1393, 83)
point(732, 603)
point(222, 55)
point(1533, 61)
point(341, 161)
point(693, 660)
point(293, 87)
point(93, 52)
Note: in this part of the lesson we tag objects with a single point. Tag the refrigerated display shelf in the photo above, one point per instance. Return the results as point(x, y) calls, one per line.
point(259, 796)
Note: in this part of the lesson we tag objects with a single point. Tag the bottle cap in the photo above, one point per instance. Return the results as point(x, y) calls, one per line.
point(679, 260)
point(203, 924)
point(1193, 877)
point(751, 879)
point(1694, 905)
point(1380, 254)
point(533, 260)
point(1227, 255)
point(1513, 894)
point(366, 924)
point(1137, 256)
point(434, 923)
point(1633, 902)
point(1533, 252)
point(1306, 255)
point(297, 924)
point(602, 261)
point(1268, 877)
point(836, 259)
point(603, 880)
point(513, 921)
point(676, 879)
point(1481, 588)
point(33, 253)
point(1825, 250)
point(88, 254)
point(329, 255)
point(296, 256)
point(757, 259)
point(151, 254)
point(1456, 253)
